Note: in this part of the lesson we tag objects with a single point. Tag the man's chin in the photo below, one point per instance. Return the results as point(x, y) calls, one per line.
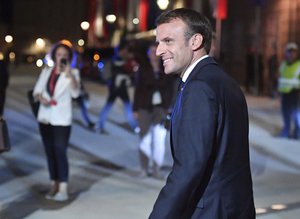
point(168, 72)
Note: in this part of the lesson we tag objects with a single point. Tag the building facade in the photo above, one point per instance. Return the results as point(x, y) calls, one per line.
point(251, 33)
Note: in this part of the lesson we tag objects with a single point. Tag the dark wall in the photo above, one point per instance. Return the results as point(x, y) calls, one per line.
point(51, 19)
point(236, 38)
point(6, 11)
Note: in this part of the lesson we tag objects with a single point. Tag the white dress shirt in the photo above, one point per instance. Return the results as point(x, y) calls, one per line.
point(191, 67)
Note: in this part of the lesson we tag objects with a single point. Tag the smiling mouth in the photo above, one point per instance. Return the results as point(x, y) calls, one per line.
point(166, 60)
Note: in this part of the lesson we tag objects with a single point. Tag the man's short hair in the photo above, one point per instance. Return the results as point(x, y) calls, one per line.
point(196, 23)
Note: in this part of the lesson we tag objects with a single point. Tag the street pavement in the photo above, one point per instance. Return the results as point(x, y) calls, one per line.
point(104, 167)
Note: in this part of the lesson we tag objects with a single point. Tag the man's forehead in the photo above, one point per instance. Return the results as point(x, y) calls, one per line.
point(170, 30)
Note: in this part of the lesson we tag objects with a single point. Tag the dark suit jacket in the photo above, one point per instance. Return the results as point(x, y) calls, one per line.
point(211, 176)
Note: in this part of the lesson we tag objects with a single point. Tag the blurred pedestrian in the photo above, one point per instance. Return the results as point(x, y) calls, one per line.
point(83, 103)
point(83, 98)
point(55, 88)
point(122, 67)
point(273, 72)
point(289, 87)
point(152, 99)
point(211, 176)
point(254, 71)
point(4, 80)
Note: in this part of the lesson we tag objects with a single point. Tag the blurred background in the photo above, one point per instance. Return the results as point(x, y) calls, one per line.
point(250, 37)
point(250, 30)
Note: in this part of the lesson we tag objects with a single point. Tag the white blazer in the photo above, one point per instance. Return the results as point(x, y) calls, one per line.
point(61, 113)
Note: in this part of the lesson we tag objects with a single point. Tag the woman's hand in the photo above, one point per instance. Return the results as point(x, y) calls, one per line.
point(67, 70)
point(42, 100)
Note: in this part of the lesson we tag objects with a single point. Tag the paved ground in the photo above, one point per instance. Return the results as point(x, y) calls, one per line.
point(103, 167)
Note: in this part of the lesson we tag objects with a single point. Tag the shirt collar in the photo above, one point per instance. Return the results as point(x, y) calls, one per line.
point(191, 67)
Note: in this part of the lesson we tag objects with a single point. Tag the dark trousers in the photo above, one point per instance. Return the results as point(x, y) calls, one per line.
point(56, 140)
point(290, 113)
point(84, 111)
point(2, 101)
point(113, 94)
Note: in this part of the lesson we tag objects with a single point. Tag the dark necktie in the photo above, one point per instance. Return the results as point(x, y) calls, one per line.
point(181, 85)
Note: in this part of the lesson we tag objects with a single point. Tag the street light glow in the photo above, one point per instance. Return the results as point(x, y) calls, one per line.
point(135, 21)
point(80, 42)
point(40, 42)
point(162, 4)
point(111, 18)
point(30, 59)
point(8, 38)
point(39, 63)
point(96, 57)
point(12, 56)
point(85, 25)
point(50, 63)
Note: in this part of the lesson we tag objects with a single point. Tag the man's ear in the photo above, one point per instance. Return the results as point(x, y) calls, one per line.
point(197, 41)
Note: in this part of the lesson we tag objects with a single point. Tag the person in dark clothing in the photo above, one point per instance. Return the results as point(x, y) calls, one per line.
point(4, 80)
point(82, 101)
point(255, 68)
point(211, 175)
point(152, 100)
point(273, 73)
point(83, 98)
point(122, 67)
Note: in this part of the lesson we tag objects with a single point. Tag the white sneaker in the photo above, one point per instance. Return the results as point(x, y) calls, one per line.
point(50, 194)
point(60, 197)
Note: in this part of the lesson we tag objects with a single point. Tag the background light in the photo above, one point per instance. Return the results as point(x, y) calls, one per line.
point(8, 38)
point(1, 56)
point(80, 42)
point(85, 25)
point(39, 63)
point(111, 18)
point(40, 42)
point(48, 60)
point(100, 65)
point(96, 57)
point(12, 56)
point(136, 21)
point(30, 59)
point(50, 63)
point(162, 4)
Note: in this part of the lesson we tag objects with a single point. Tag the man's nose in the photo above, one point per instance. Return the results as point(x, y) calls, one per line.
point(159, 50)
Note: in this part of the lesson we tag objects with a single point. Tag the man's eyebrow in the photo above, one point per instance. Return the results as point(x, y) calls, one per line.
point(167, 39)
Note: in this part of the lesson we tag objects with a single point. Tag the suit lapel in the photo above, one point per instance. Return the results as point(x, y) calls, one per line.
point(200, 65)
point(196, 70)
point(176, 114)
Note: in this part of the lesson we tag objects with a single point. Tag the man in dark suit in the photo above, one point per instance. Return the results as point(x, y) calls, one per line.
point(211, 175)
